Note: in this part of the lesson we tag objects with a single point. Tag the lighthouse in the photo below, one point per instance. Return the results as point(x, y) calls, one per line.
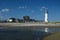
point(46, 15)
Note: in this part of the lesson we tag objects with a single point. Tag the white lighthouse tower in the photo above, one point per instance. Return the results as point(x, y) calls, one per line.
point(46, 15)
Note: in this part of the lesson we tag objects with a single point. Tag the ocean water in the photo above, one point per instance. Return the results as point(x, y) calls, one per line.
point(23, 34)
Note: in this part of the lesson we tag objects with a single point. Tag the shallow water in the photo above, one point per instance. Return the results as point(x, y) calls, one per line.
point(20, 34)
point(24, 34)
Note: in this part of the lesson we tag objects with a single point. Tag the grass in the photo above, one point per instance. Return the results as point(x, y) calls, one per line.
point(54, 36)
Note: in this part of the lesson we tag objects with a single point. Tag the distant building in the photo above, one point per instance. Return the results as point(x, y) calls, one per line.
point(20, 20)
point(25, 19)
point(11, 20)
point(32, 20)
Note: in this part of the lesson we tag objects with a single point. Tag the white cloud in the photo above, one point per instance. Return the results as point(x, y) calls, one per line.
point(43, 7)
point(22, 7)
point(5, 10)
point(32, 11)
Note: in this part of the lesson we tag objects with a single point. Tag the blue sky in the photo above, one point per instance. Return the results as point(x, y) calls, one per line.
point(32, 8)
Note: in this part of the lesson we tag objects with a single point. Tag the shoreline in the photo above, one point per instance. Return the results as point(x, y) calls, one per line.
point(31, 25)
